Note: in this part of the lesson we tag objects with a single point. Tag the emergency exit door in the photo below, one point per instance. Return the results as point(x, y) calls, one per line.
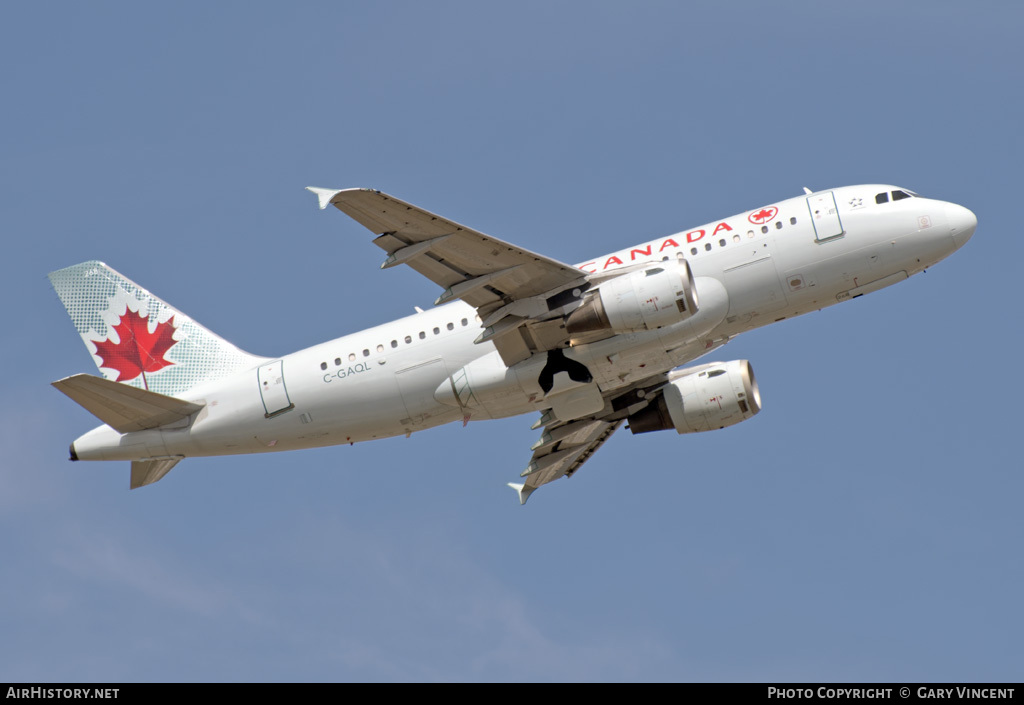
point(273, 390)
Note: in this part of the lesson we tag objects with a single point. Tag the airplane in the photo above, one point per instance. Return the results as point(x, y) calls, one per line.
point(588, 347)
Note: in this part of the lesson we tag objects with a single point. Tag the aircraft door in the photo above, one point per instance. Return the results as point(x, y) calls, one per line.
point(273, 390)
point(825, 216)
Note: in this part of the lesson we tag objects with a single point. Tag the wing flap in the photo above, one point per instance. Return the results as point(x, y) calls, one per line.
point(562, 450)
point(122, 407)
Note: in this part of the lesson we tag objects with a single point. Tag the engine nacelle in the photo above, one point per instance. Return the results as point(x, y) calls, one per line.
point(702, 398)
point(648, 298)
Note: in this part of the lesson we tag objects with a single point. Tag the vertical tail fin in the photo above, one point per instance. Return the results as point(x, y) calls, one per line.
point(136, 338)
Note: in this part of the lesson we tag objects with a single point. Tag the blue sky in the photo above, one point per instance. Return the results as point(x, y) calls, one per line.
point(865, 526)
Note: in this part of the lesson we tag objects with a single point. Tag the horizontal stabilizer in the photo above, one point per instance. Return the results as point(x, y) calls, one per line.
point(125, 408)
point(146, 472)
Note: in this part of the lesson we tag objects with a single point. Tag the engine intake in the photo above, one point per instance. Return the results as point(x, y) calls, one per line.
point(702, 398)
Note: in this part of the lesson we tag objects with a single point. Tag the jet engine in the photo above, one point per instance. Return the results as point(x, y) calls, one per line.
point(648, 298)
point(702, 398)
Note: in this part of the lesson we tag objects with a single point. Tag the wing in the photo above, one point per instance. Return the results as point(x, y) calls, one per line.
point(561, 450)
point(564, 446)
point(515, 291)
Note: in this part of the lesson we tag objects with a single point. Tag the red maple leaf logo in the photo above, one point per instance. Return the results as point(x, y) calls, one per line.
point(763, 215)
point(139, 351)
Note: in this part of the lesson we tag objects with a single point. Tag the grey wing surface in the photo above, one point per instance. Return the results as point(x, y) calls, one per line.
point(509, 286)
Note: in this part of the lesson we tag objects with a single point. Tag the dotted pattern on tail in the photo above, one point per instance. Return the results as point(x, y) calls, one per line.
point(96, 297)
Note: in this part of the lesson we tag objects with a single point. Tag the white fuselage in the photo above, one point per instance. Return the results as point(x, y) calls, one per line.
point(769, 264)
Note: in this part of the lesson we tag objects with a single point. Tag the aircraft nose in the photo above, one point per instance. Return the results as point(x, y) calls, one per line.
point(962, 223)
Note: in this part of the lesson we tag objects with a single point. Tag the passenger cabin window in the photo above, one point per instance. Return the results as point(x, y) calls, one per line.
point(778, 225)
point(351, 357)
point(693, 250)
point(882, 198)
point(323, 365)
point(792, 221)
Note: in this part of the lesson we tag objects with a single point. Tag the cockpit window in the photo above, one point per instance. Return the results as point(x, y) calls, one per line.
point(882, 198)
point(900, 195)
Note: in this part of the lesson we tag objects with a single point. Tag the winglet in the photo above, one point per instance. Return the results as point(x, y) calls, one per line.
point(808, 191)
point(523, 491)
point(324, 194)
